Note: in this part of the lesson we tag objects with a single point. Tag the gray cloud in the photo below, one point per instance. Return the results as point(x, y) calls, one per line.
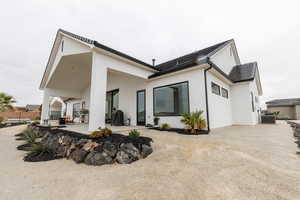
point(264, 32)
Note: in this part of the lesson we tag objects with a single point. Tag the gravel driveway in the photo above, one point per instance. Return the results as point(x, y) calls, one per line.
point(238, 162)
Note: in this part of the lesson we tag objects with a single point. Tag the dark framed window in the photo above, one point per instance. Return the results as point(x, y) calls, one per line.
point(171, 100)
point(76, 110)
point(215, 88)
point(225, 93)
point(252, 101)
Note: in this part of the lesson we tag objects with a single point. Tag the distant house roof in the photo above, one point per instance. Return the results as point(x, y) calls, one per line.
point(284, 102)
point(244, 72)
point(31, 107)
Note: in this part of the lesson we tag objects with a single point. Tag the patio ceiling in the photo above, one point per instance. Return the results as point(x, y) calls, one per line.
point(73, 72)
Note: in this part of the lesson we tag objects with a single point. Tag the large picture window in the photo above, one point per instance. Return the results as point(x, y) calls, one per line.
point(171, 100)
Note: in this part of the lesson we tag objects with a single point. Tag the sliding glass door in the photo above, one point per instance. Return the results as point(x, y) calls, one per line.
point(112, 104)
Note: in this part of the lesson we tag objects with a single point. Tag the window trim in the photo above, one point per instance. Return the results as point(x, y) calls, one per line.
point(171, 115)
point(227, 97)
point(212, 91)
point(62, 46)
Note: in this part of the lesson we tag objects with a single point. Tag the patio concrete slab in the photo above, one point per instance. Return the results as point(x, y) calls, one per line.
point(83, 128)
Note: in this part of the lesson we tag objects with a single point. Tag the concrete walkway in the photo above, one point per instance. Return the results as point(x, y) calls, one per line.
point(238, 162)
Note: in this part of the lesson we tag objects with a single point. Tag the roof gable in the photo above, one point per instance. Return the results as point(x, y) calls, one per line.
point(190, 58)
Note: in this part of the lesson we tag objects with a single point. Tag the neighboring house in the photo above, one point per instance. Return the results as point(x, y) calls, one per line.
point(288, 108)
point(29, 112)
point(32, 107)
point(56, 108)
point(87, 74)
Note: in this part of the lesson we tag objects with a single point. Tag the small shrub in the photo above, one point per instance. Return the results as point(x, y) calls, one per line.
point(104, 132)
point(194, 121)
point(134, 133)
point(39, 148)
point(165, 126)
point(39, 152)
point(28, 135)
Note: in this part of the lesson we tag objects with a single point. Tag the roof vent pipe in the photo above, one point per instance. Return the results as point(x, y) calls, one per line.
point(153, 62)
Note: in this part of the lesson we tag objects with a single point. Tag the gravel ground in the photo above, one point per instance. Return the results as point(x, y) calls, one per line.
point(238, 162)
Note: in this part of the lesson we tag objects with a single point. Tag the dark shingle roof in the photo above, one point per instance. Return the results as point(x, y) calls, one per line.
point(239, 73)
point(106, 48)
point(284, 102)
point(244, 72)
point(185, 61)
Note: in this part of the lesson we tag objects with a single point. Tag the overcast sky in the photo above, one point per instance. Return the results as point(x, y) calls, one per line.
point(264, 31)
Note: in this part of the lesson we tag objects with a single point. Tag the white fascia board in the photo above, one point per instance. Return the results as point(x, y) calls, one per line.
point(107, 53)
point(197, 67)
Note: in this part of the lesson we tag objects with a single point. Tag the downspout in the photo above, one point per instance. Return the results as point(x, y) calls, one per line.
point(206, 96)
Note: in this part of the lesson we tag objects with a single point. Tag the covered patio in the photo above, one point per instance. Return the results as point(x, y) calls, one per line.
point(91, 79)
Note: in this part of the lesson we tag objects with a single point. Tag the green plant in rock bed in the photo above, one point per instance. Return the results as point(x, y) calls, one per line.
point(38, 149)
point(134, 133)
point(194, 121)
point(103, 132)
point(165, 126)
point(29, 136)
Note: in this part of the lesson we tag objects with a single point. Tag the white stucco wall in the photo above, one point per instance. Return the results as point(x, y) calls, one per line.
point(220, 111)
point(297, 108)
point(196, 95)
point(256, 113)
point(241, 104)
point(225, 59)
point(128, 86)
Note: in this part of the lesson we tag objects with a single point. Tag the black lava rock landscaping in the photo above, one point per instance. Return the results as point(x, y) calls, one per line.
point(296, 132)
point(181, 131)
point(116, 148)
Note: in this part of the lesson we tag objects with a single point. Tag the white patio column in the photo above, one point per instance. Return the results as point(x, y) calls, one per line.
point(98, 93)
point(45, 107)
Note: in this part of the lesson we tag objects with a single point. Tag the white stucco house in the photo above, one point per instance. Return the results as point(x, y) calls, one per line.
point(86, 74)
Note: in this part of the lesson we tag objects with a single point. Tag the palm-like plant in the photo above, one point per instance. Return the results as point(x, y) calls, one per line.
point(6, 102)
point(194, 120)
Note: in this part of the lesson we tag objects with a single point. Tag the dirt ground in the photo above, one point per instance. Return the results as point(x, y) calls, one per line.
point(238, 162)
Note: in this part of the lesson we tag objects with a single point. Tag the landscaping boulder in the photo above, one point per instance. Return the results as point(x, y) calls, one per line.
point(89, 146)
point(110, 148)
point(98, 158)
point(81, 142)
point(146, 150)
point(78, 155)
point(128, 153)
point(33, 157)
